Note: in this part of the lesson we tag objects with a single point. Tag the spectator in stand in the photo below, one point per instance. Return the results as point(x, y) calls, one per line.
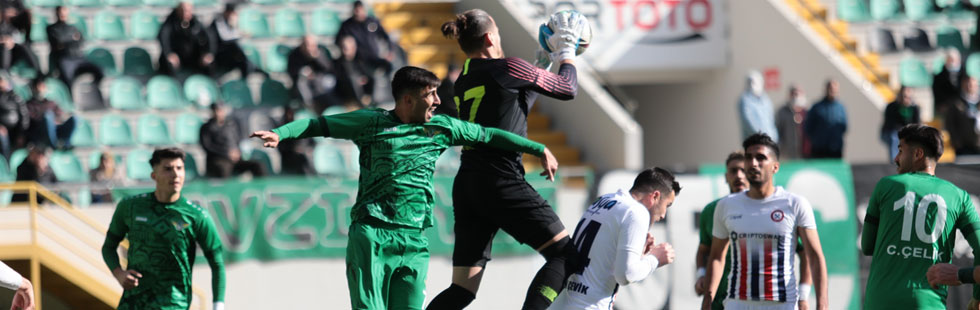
point(219, 139)
point(11, 53)
point(368, 33)
point(228, 53)
point(946, 84)
point(13, 119)
point(962, 121)
point(49, 125)
point(312, 73)
point(826, 123)
point(17, 16)
point(104, 177)
point(789, 122)
point(66, 50)
point(354, 85)
point(755, 109)
point(185, 43)
point(445, 92)
point(35, 168)
point(899, 113)
point(295, 153)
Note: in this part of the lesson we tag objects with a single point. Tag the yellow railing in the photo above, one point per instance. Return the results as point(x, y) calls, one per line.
point(35, 250)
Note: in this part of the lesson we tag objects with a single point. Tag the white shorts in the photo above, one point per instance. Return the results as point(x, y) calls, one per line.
point(735, 304)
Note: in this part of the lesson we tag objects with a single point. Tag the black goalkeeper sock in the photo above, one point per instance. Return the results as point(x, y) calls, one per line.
point(550, 279)
point(454, 297)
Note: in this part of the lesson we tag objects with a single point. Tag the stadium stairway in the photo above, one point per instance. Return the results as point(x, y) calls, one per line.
point(59, 249)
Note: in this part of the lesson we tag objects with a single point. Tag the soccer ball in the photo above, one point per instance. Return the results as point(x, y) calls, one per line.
point(545, 32)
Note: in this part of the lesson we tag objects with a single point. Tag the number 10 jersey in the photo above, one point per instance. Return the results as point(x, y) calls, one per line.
point(917, 214)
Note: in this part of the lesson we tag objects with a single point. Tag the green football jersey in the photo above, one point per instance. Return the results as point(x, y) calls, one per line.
point(707, 223)
point(162, 248)
point(397, 160)
point(917, 214)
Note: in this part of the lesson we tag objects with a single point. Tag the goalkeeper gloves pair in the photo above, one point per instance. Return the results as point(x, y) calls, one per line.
point(559, 38)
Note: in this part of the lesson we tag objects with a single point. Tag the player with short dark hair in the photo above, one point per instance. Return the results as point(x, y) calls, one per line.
point(490, 192)
point(387, 253)
point(613, 242)
point(762, 226)
point(162, 228)
point(910, 225)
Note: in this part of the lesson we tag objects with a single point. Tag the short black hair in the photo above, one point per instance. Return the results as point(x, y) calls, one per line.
point(734, 156)
point(230, 7)
point(37, 81)
point(411, 78)
point(655, 179)
point(929, 139)
point(468, 29)
point(358, 4)
point(166, 153)
point(763, 139)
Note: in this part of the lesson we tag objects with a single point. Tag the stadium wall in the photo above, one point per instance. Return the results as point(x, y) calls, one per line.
point(687, 123)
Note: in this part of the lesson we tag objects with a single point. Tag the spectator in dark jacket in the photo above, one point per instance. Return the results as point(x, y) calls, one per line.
point(899, 113)
point(354, 85)
point(34, 168)
point(313, 74)
point(11, 53)
point(13, 119)
point(185, 43)
point(295, 153)
point(789, 123)
point(219, 139)
point(962, 119)
point(50, 125)
point(946, 84)
point(826, 124)
point(17, 16)
point(228, 53)
point(66, 50)
point(368, 33)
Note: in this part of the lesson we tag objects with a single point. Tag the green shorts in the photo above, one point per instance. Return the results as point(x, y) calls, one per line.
point(386, 266)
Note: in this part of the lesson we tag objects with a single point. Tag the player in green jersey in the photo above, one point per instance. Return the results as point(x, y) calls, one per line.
point(735, 178)
point(910, 225)
point(387, 254)
point(162, 228)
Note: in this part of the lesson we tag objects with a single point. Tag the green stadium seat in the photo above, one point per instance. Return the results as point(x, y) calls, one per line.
point(937, 64)
point(188, 128)
point(114, 131)
point(136, 61)
point(144, 25)
point(884, 9)
point(109, 26)
point(260, 156)
point(190, 167)
point(274, 93)
point(948, 36)
point(78, 20)
point(308, 1)
point(103, 58)
point(163, 92)
point(268, 2)
point(325, 21)
point(46, 3)
point(138, 165)
point(16, 158)
point(58, 92)
point(917, 10)
point(86, 3)
point(912, 73)
point(38, 25)
point(289, 23)
point(237, 94)
point(153, 130)
point(83, 136)
point(67, 167)
point(252, 54)
point(124, 2)
point(253, 22)
point(205, 2)
point(973, 65)
point(164, 3)
point(853, 10)
point(328, 159)
point(23, 91)
point(277, 58)
point(201, 89)
point(23, 70)
point(5, 174)
point(126, 93)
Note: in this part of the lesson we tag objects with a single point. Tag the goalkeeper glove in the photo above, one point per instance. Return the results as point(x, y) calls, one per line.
point(567, 31)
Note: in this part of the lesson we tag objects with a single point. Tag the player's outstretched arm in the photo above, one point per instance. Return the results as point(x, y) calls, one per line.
point(716, 262)
point(818, 264)
point(299, 129)
point(466, 133)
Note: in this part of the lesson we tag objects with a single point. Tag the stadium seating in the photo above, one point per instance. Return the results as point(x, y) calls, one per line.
point(83, 136)
point(57, 91)
point(917, 40)
point(325, 21)
point(95, 158)
point(289, 23)
point(274, 93)
point(161, 3)
point(190, 167)
point(277, 58)
point(137, 62)
point(188, 128)
point(16, 158)
point(38, 25)
point(253, 22)
point(86, 3)
point(46, 3)
point(853, 10)
point(79, 22)
point(917, 10)
point(126, 93)
point(137, 167)
point(103, 58)
point(163, 92)
point(237, 94)
point(913, 73)
point(885, 9)
point(109, 25)
point(144, 25)
point(114, 131)
point(948, 36)
point(260, 156)
point(153, 130)
point(329, 160)
point(124, 2)
point(972, 65)
point(201, 90)
point(67, 167)
point(253, 54)
point(5, 174)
